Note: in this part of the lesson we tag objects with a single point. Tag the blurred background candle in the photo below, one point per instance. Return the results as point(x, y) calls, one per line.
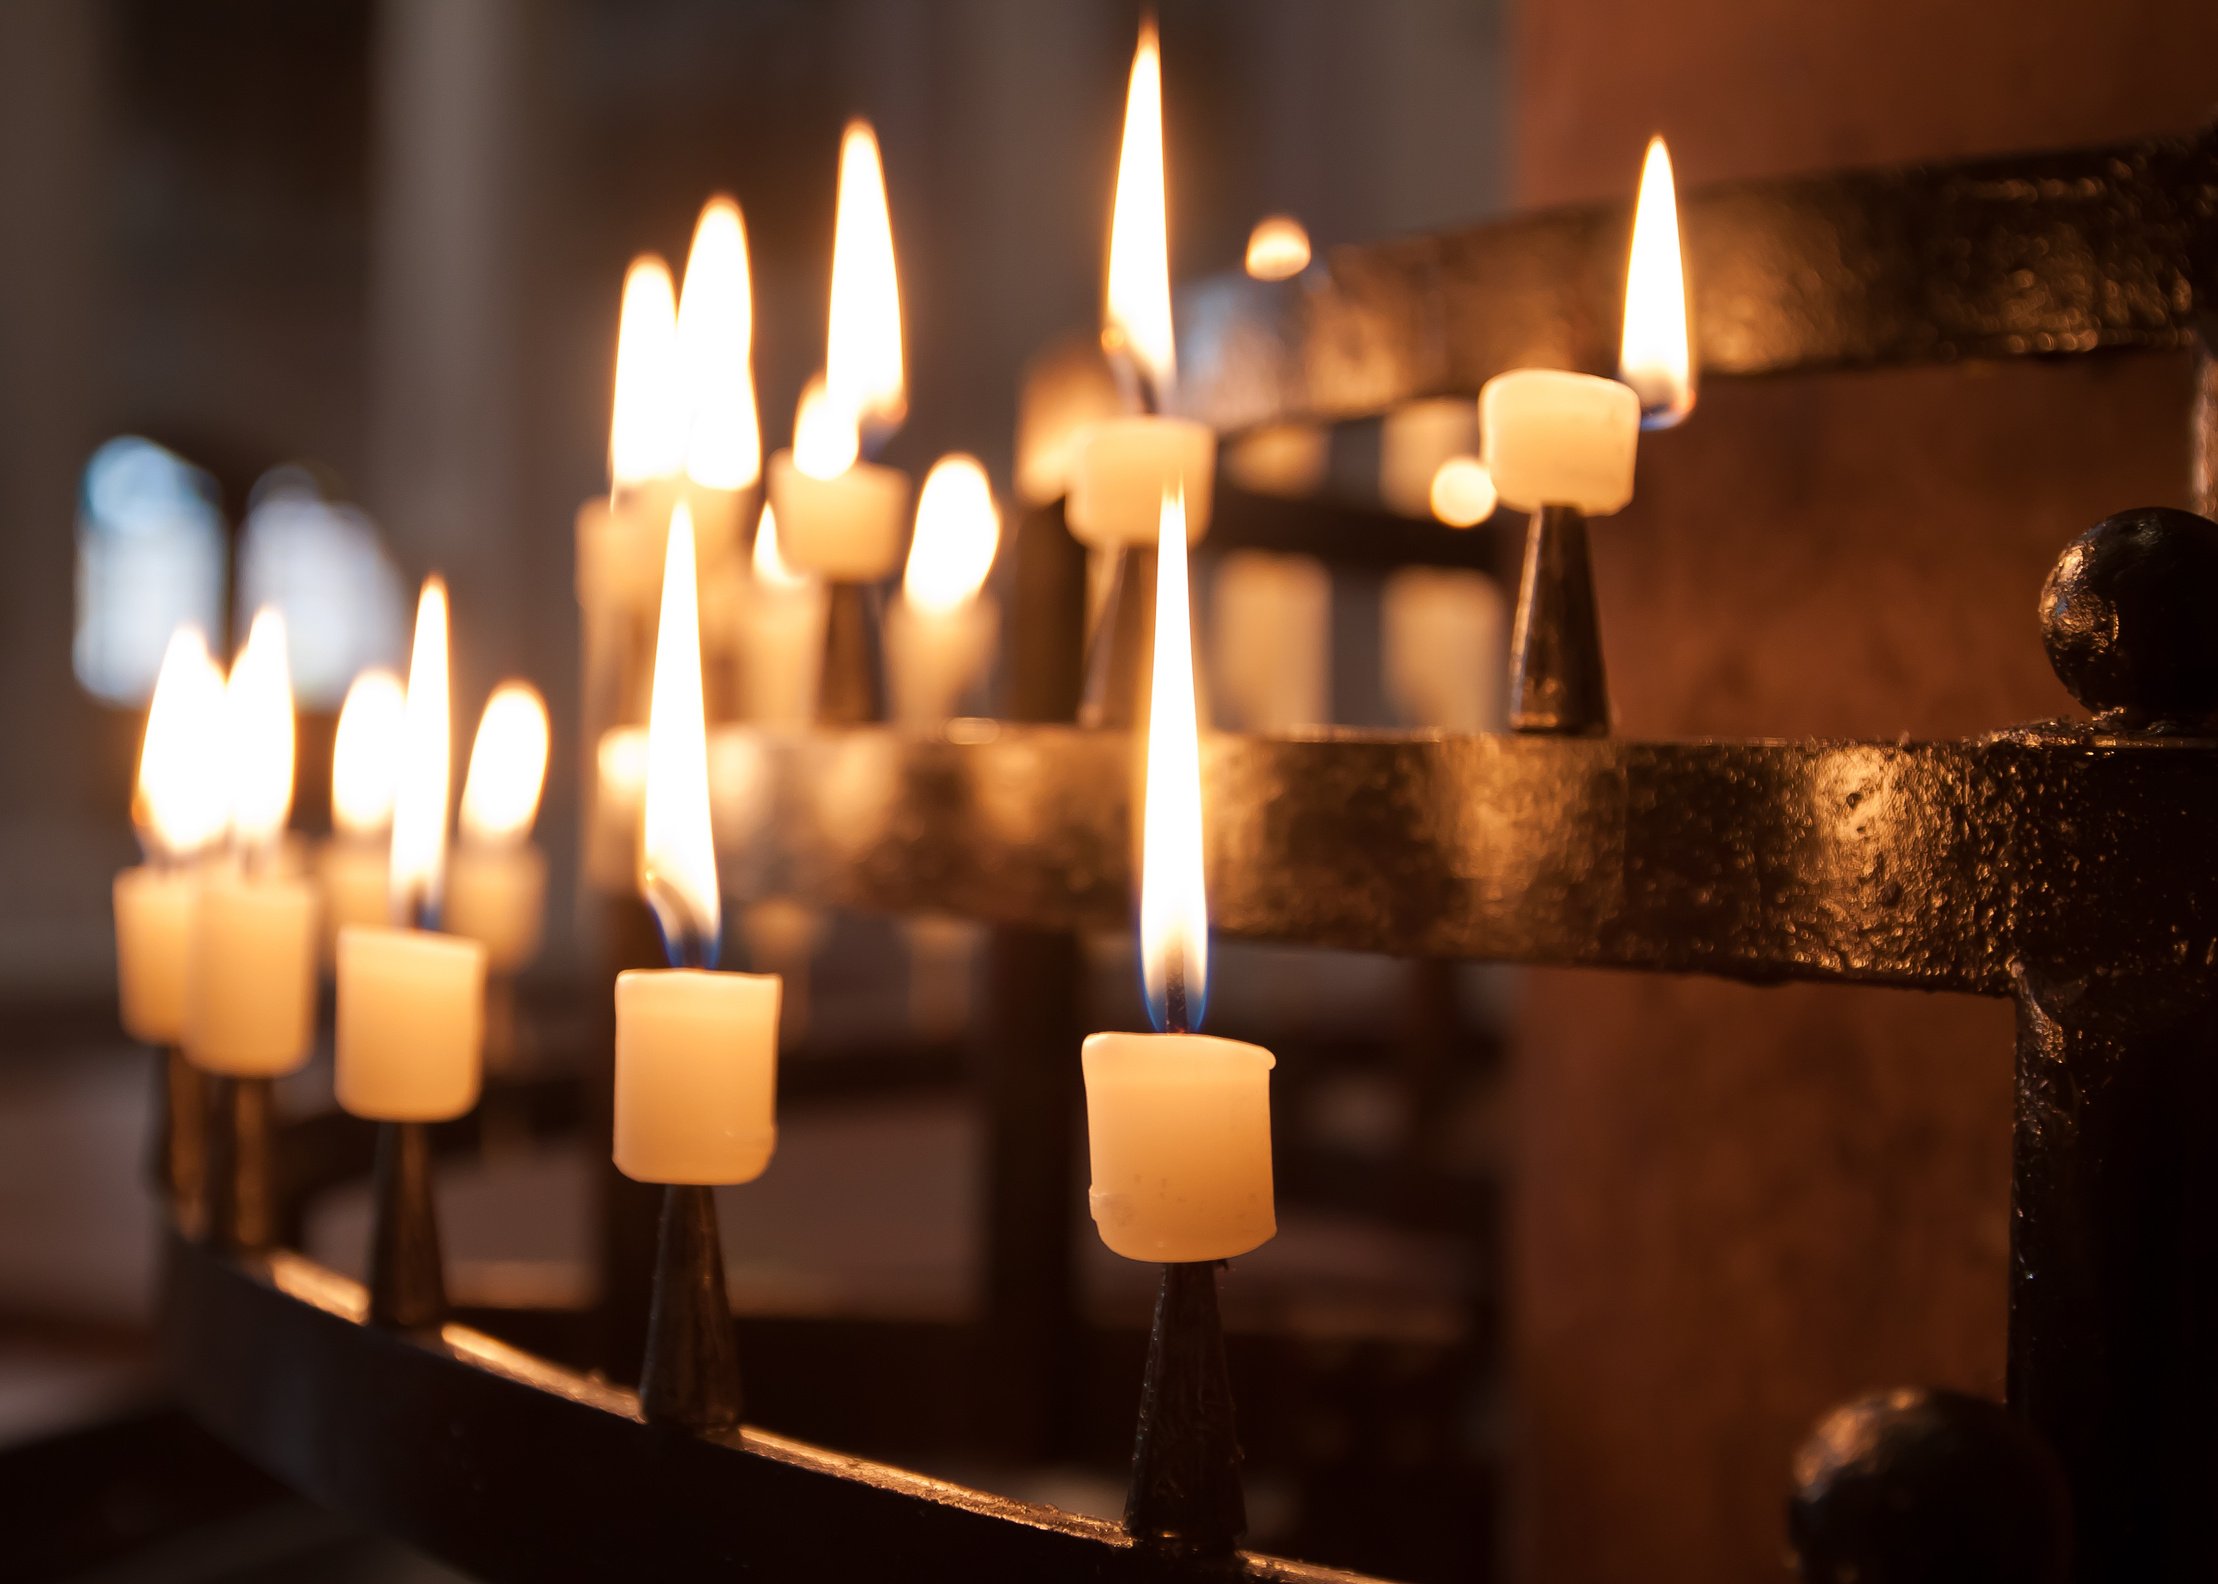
point(411, 1001)
point(619, 536)
point(715, 338)
point(250, 997)
point(497, 884)
point(365, 771)
point(782, 640)
point(1445, 641)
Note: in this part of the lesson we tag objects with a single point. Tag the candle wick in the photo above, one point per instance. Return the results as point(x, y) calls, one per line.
point(1134, 387)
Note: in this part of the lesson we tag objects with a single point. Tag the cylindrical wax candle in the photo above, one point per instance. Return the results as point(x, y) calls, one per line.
point(411, 1025)
point(696, 1075)
point(497, 896)
point(847, 527)
point(154, 930)
point(1124, 468)
point(1179, 1130)
point(250, 1001)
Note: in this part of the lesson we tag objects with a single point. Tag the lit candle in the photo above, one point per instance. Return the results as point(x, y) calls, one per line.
point(365, 758)
point(179, 811)
point(250, 997)
point(715, 337)
point(1271, 640)
point(411, 1002)
point(696, 1049)
point(781, 642)
point(497, 888)
point(1655, 356)
point(1555, 438)
point(940, 634)
point(1126, 465)
point(1178, 1122)
point(840, 516)
point(619, 536)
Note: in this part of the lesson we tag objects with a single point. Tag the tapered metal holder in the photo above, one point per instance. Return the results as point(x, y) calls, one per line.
point(1185, 1495)
point(1557, 684)
point(690, 1378)
point(241, 1162)
point(180, 1164)
point(851, 687)
point(408, 1289)
point(1120, 653)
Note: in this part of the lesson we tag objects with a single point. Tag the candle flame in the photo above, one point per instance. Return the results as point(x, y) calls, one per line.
point(1278, 248)
point(258, 735)
point(1655, 356)
point(826, 439)
point(508, 766)
point(677, 852)
point(647, 427)
point(1463, 493)
point(862, 357)
point(1174, 908)
point(426, 754)
point(365, 754)
point(1137, 323)
point(770, 566)
point(715, 339)
point(180, 803)
point(957, 532)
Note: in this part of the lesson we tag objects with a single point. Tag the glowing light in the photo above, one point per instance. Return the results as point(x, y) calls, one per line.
point(716, 335)
point(1463, 492)
point(258, 736)
point(1278, 248)
point(770, 566)
point(1655, 356)
point(508, 766)
point(825, 437)
point(1138, 319)
point(1174, 908)
point(957, 532)
point(647, 426)
point(181, 803)
point(365, 754)
point(677, 852)
point(426, 767)
point(862, 355)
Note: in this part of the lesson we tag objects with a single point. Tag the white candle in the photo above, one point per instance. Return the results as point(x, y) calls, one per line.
point(179, 810)
point(696, 1050)
point(940, 632)
point(1271, 641)
point(1554, 438)
point(250, 994)
point(619, 539)
point(1126, 467)
point(411, 1002)
point(497, 888)
point(364, 774)
point(1177, 1124)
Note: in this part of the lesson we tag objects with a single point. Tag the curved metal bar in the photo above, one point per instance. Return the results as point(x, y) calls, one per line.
point(514, 1468)
point(2022, 255)
point(1933, 865)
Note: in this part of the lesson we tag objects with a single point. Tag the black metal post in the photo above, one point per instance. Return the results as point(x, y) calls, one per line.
point(181, 1137)
point(408, 1289)
point(851, 687)
point(1120, 653)
point(1185, 1494)
point(1557, 684)
point(690, 1378)
point(242, 1188)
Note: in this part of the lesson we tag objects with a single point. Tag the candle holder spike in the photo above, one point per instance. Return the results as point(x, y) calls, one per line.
point(851, 688)
point(1185, 1495)
point(408, 1290)
point(180, 1164)
point(242, 1197)
point(1557, 684)
point(690, 1377)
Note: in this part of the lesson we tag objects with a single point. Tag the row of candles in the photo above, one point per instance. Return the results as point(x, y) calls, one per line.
point(217, 958)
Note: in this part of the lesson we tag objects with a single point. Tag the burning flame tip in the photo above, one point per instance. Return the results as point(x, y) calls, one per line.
point(1656, 357)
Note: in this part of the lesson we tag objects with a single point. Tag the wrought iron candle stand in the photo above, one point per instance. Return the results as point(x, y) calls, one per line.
point(2065, 866)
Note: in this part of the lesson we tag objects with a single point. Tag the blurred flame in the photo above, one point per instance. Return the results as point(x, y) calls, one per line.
point(957, 533)
point(677, 852)
point(1278, 248)
point(1463, 492)
point(1174, 907)
point(258, 735)
point(365, 754)
point(181, 803)
point(1138, 320)
point(716, 334)
point(647, 427)
point(862, 356)
point(426, 753)
point(825, 437)
point(770, 566)
point(508, 766)
point(1654, 357)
